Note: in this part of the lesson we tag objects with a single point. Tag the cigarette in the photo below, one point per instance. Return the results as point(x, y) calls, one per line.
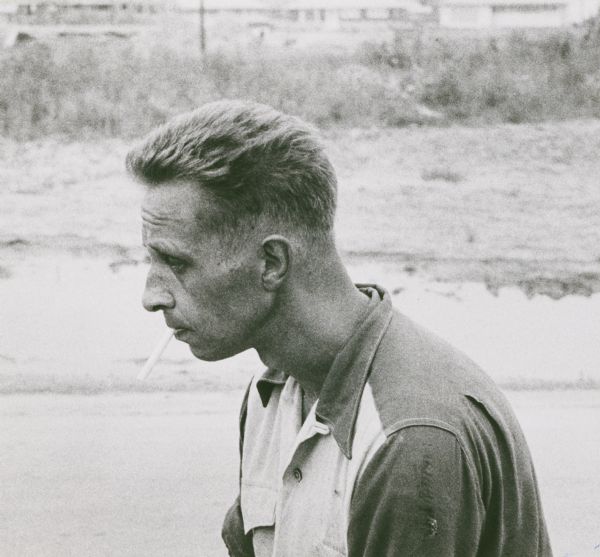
point(156, 354)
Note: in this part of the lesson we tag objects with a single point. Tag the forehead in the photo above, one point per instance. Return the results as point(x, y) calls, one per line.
point(174, 209)
point(180, 201)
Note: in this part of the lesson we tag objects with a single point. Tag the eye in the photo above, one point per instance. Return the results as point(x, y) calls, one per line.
point(176, 264)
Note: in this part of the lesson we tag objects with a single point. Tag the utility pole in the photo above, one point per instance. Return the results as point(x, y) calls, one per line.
point(202, 30)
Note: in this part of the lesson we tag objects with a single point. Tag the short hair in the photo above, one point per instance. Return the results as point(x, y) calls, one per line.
point(253, 159)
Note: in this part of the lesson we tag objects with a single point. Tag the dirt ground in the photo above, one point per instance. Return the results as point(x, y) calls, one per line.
point(153, 474)
point(506, 205)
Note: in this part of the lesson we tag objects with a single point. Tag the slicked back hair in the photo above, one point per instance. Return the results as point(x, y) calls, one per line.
point(255, 161)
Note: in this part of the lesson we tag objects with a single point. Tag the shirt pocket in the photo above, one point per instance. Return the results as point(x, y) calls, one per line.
point(258, 506)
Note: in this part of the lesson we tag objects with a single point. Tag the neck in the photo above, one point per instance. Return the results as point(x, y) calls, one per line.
point(315, 316)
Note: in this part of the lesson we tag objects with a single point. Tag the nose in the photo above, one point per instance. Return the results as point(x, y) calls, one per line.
point(156, 296)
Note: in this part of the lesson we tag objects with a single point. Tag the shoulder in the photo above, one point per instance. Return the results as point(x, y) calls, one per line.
point(435, 405)
point(416, 378)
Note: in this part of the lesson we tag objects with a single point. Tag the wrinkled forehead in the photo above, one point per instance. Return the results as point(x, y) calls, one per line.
point(179, 201)
point(177, 205)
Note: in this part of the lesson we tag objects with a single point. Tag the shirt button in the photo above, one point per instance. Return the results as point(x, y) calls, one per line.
point(298, 474)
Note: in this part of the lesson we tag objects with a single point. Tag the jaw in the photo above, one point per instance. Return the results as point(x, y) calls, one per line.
point(212, 353)
point(204, 354)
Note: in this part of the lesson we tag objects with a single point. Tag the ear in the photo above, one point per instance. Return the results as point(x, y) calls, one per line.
point(277, 255)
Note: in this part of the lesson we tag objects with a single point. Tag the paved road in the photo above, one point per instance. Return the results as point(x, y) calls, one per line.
point(143, 475)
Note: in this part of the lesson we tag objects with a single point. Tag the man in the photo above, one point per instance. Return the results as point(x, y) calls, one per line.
point(367, 435)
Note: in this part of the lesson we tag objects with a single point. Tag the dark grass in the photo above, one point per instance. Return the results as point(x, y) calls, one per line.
point(82, 87)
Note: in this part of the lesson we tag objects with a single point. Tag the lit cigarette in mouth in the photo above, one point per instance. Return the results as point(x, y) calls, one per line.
point(156, 354)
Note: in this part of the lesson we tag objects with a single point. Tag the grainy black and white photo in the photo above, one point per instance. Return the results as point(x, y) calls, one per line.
point(290, 278)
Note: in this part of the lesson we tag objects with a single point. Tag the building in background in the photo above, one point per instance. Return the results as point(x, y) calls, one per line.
point(315, 13)
point(64, 10)
point(512, 14)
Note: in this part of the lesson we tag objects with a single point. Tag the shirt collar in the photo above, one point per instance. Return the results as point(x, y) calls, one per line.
point(269, 380)
point(342, 390)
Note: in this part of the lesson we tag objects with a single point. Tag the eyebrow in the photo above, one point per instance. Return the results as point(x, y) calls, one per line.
point(163, 249)
point(156, 218)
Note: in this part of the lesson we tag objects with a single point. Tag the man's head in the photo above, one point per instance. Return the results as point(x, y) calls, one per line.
point(253, 161)
point(238, 198)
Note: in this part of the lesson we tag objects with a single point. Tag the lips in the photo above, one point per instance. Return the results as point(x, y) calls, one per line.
point(173, 324)
point(177, 329)
point(180, 332)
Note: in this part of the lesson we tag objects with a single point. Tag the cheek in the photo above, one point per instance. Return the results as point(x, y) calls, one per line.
point(242, 299)
point(230, 298)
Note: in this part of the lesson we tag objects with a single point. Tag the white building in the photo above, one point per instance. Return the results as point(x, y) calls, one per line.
point(13, 8)
point(309, 13)
point(315, 13)
point(336, 12)
point(511, 14)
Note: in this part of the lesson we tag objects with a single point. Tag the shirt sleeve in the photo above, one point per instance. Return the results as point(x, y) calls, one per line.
point(237, 542)
point(417, 496)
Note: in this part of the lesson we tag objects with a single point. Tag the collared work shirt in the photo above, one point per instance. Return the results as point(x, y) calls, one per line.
point(410, 450)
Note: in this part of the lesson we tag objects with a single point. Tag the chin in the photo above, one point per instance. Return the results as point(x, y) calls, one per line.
point(216, 354)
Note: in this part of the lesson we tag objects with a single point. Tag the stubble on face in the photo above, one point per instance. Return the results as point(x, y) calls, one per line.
point(215, 284)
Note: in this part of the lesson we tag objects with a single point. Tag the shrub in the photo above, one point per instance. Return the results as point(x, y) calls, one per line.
point(115, 87)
